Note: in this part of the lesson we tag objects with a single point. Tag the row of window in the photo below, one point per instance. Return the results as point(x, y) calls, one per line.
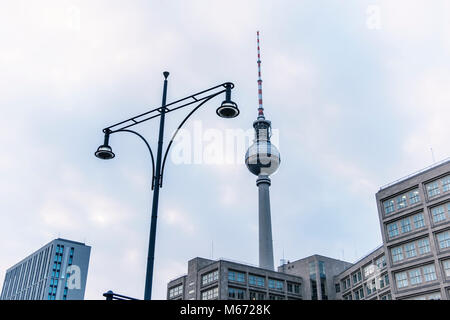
point(402, 201)
point(415, 276)
point(377, 283)
point(410, 250)
point(210, 277)
point(368, 271)
point(254, 280)
point(441, 213)
point(69, 263)
point(438, 187)
point(176, 291)
point(433, 190)
point(210, 294)
point(405, 225)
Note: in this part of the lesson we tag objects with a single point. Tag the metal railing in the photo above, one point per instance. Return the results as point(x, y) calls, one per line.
point(415, 173)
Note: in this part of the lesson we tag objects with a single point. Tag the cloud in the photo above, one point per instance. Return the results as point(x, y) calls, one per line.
point(179, 219)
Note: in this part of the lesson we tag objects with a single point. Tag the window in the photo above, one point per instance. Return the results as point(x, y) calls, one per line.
point(236, 276)
point(337, 287)
point(386, 297)
point(257, 295)
point(429, 273)
point(236, 293)
point(418, 221)
point(346, 283)
point(355, 277)
point(433, 189)
point(275, 284)
point(176, 291)
point(401, 202)
point(389, 206)
point(446, 184)
point(410, 250)
point(256, 280)
point(210, 277)
point(414, 197)
point(438, 214)
point(423, 245)
point(415, 277)
point(402, 280)
point(210, 294)
point(369, 270)
point(444, 239)
point(371, 287)
point(384, 281)
point(381, 262)
point(392, 229)
point(397, 254)
point(406, 225)
point(446, 265)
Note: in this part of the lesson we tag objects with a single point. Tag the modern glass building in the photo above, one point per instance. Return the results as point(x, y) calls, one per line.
point(57, 271)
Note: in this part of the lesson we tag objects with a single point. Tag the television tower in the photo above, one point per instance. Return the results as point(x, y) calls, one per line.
point(263, 159)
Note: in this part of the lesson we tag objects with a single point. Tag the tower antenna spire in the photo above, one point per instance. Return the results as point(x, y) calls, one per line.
point(260, 102)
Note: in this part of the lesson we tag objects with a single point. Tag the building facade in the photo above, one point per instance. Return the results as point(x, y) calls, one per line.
point(367, 279)
point(57, 271)
point(318, 273)
point(414, 216)
point(226, 280)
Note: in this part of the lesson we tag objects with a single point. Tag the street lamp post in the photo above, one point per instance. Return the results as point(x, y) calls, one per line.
point(228, 109)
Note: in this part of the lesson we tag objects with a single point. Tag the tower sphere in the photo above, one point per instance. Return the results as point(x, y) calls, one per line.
point(262, 157)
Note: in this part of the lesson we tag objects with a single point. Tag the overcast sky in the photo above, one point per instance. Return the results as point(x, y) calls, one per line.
point(359, 92)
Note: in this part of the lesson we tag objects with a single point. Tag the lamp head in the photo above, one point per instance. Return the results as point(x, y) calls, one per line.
point(104, 152)
point(228, 109)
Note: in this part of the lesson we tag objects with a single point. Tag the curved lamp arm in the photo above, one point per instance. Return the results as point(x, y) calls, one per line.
point(178, 129)
point(149, 149)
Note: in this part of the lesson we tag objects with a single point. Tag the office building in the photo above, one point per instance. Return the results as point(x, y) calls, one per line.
point(366, 279)
point(318, 274)
point(57, 271)
point(226, 280)
point(414, 215)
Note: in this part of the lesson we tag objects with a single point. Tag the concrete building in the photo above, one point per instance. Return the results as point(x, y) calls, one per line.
point(57, 271)
point(367, 279)
point(414, 215)
point(412, 263)
point(318, 274)
point(226, 280)
point(414, 260)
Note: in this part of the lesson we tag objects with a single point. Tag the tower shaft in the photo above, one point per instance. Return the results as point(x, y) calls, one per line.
point(265, 224)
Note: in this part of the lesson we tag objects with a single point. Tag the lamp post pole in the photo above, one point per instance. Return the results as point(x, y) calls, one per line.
point(228, 109)
point(151, 244)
